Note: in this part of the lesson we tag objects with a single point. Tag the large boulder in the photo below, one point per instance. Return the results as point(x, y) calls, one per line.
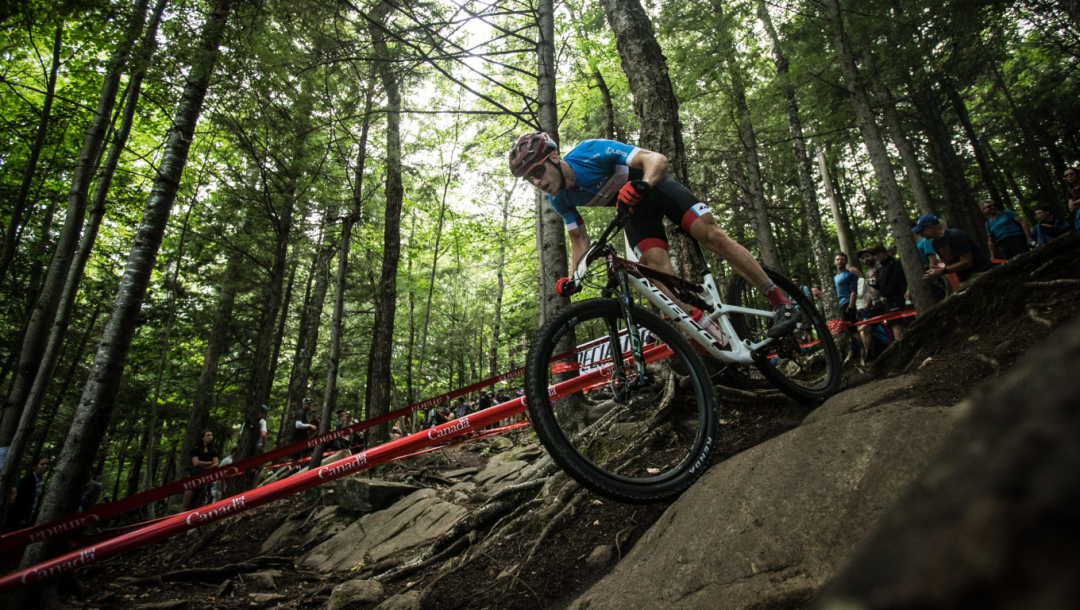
point(766, 527)
point(992, 523)
point(412, 522)
point(369, 495)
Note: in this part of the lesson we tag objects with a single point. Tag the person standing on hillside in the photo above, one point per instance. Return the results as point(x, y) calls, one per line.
point(636, 182)
point(958, 253)
point(1047, 226)
point(1072, 196)
point(23, 511)
point(203, 456)
point(892, 283)
point(1007, 233)
point(302, 426)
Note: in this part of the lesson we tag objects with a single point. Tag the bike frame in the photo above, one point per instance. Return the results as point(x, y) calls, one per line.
point(734, 351)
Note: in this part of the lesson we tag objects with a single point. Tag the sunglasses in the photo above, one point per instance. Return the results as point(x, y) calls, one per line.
point(537, 172)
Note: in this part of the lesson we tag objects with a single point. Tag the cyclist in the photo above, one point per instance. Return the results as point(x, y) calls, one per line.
point(635, 180)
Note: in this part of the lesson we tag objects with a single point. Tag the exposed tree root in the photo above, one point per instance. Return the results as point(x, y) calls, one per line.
point(555, 523)
point(1052, 283)
point(1033, 313)
point(459, 545)
point(190, 574)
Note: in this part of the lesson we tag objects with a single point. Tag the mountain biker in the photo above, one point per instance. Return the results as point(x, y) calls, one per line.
point(635, 180)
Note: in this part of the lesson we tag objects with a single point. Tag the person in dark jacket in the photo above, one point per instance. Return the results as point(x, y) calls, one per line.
point(892, 283)
point(23, 511)
point(1047, 226)
point(203, 456)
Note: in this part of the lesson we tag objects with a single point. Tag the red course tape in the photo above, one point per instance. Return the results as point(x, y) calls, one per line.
point(297, 483)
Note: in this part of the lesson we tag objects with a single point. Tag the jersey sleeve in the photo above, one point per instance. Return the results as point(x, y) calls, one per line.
point(568, 212)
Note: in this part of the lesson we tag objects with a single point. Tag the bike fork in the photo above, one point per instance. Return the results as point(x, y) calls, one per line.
point(636, 348)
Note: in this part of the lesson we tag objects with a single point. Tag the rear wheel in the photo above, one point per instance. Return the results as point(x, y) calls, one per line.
point(629, 439)
point(805, 364)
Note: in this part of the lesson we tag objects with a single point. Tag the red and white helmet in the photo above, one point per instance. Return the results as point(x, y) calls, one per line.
point(531, 150)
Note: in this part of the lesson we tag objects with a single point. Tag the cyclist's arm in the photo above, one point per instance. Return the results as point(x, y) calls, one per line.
point(579, 243)
point(652, 163)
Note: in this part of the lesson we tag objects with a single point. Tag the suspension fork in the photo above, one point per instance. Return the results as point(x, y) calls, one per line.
point(636, 347)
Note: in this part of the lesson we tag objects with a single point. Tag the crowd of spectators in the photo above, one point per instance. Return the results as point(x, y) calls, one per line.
point(950, 258)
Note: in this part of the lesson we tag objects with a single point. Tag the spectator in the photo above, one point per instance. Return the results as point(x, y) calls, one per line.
point(23, 510)
point(260, 444)
point(92, 493)
point(929, 258)
point(484, 401)
point(847, 288)
point(799, 285)
point(342, 422)
point(215, 488)
point(1007, 233)
point(893, 286)
point(442, 416)
point(302, 427)
point(1047, 226)
point(203, 457)
point(1072, 176)
point(958, 253)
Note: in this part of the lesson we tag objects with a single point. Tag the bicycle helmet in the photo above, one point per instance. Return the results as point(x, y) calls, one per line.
point(529, 151)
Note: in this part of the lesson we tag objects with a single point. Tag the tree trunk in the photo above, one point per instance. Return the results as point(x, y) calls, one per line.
point(496, 327)
point(67, 380)
point(151, 450)
point(215, 346)
point(380, 378)
point(976, 145)
point(308, 338)
point(550, 229)
point(899, 221)
point(843, 229)
point(1031, 139)
point(910, 159)
point(98, 399)
point(818, 241)
point(68, 291)
point(758, 206)
point(11, 237)
point(43, 318)
point(655, 104)
point(435, 258)
point(958, 202)
point(334, 355)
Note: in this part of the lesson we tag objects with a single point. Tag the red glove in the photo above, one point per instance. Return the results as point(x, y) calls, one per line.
point(631, 194)
point(564, 287)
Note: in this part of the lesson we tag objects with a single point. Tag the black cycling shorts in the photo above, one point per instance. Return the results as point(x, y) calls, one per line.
point(645, 230)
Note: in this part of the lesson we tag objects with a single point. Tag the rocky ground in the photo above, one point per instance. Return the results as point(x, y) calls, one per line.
point(793, 494)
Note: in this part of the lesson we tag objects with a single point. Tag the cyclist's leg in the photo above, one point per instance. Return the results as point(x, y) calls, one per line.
point(684, 209)
point(645, 233)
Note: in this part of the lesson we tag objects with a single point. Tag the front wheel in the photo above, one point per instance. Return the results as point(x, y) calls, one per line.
point(805, 364)
point(623, 437)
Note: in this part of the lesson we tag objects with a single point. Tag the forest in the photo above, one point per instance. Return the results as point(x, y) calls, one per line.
point(208, 206)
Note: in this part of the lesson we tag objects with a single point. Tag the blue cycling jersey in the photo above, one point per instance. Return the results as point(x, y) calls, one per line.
point(601, 168)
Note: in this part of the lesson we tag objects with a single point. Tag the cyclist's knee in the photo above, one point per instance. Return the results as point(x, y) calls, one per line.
point(710, 235)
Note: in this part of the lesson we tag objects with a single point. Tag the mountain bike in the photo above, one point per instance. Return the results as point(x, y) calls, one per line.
point(633, 439)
